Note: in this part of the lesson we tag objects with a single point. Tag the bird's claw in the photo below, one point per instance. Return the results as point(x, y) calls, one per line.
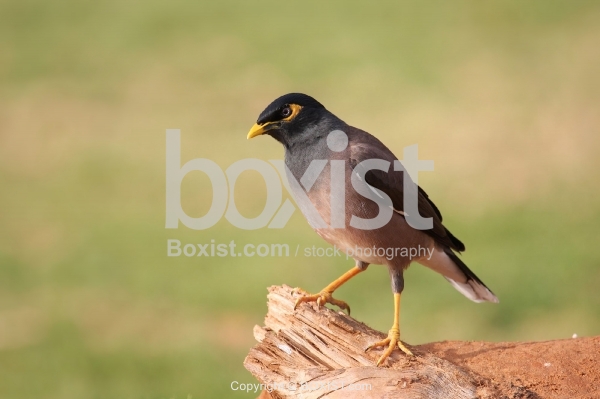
point(392, 341)
point(321, 299)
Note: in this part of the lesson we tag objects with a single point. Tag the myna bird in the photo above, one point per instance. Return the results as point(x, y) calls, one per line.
point(303, 126)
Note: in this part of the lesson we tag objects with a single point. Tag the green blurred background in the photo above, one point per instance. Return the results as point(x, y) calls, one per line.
point(504, 96)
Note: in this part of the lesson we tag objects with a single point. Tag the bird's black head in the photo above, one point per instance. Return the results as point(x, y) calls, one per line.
point(290, 117)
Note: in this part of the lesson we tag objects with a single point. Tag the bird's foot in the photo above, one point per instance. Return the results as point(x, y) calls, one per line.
point(392, 341)
point(321, 299)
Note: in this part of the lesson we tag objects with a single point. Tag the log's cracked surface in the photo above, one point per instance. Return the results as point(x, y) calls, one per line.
point(319, 353)
point(310, 353)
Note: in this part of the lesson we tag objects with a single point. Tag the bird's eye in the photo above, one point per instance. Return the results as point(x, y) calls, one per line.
point(286, 111)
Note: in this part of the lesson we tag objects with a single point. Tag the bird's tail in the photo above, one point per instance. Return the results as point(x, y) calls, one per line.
point(473, 288)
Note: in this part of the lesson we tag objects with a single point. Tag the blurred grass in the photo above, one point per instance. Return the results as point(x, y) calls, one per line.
point(502, 95)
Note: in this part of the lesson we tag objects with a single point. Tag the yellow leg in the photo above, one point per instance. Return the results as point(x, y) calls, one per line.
point(393, 338)
point(324, 296)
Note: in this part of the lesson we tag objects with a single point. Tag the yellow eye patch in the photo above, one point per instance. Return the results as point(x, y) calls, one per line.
point(295, 110)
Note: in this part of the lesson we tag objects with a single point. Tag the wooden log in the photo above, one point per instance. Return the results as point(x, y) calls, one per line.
point(320, 353)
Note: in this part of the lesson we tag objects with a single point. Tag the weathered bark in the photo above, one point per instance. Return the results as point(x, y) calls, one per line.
point(319, 353)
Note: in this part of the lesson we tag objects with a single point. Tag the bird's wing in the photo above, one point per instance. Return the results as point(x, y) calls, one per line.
point(364, 146)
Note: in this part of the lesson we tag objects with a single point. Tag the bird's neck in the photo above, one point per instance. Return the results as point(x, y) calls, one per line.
point(311, 145)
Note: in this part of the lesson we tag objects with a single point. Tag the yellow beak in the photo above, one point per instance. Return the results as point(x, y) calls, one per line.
point(257, 130)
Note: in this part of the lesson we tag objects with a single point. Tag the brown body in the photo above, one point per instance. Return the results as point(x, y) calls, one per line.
point(393, 237)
